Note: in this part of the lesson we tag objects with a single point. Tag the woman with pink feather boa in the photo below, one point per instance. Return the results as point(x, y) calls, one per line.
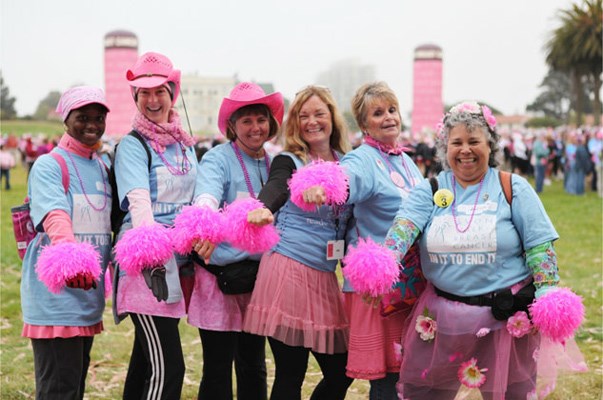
point(492, 319)
point(297, 300)
point(62, 286)
point(153, 192)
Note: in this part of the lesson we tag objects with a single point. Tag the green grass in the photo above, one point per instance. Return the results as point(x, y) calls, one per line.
point(577, 219)
point(19, 127)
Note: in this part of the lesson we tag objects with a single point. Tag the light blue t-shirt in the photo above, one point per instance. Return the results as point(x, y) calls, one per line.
point(375, 197)
point(304, 235)
point(71, 307)
point(488, 256)
point(169, 192)
point(222, 177)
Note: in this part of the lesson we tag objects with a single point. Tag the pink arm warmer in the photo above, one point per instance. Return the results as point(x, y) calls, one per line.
point(57, 226)
point(140, 207)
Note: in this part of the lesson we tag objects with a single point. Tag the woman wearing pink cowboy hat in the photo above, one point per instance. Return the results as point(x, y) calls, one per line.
point(232, 170)
point(153, 191)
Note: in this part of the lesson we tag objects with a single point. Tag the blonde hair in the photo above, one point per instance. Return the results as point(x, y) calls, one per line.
point(366, 95)
point(293, 140)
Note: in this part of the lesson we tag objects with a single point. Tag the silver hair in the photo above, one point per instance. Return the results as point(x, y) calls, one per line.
point(472, 121)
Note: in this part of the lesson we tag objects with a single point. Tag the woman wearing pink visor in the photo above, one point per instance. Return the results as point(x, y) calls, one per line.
point(152, 192)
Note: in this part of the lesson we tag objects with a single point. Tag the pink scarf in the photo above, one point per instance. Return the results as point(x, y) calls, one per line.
point(162, 135)
point(396, 149)
point(74, 146)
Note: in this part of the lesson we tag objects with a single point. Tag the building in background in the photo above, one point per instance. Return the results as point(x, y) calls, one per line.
point(427, 105)
point(203, 96)
point(344, 78)
point(121, 52)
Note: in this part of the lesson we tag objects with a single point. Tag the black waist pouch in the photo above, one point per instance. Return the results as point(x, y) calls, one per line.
point(235, 278)
point(505, 304)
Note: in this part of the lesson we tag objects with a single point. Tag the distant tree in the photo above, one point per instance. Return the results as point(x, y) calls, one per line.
point(543, 122)
point(49, 103)
point(576, 47)
point(7, 103)
point(555, 99)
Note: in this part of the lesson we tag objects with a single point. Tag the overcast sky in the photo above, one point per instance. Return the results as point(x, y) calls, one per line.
point(493, 50)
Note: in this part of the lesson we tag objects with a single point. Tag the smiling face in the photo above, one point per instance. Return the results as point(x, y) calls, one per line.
point(382, 121)
point(316, 122)
point(154, 103)
point(468, 154)
point(87, 124)
point(252, 131)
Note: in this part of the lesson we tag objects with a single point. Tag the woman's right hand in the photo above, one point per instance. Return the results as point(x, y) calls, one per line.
point(204, 248)
point(260, 217)
point(315, 195)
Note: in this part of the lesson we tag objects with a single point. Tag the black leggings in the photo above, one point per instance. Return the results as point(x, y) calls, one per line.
point(61, 366)
point(220, 350)
point(291, 365)
point(156, 369)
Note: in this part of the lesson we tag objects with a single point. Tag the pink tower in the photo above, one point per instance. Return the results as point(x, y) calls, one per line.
point(427, 108)
point(121, 52)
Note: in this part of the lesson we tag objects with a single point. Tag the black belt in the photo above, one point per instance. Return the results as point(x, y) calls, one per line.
point(482, 300)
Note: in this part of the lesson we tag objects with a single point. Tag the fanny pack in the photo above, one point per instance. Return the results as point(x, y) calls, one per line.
point(235, 278)
point(504, 303)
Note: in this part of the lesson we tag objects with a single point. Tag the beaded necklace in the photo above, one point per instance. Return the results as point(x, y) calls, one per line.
point(456, 225)
point(185, 165)
point(245, 173)
point(79, 178)
point(396, 178)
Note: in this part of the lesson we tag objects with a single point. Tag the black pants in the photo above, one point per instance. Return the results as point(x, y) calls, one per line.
point(61, 366)
point(291, 365)
point(220, 350)
point(156, 369)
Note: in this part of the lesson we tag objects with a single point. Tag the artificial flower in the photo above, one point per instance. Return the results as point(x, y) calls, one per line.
point(489, 117)
point(470, 107)
point(519, 324)
point(426, 326)
point(482, 332)
point(471, 375)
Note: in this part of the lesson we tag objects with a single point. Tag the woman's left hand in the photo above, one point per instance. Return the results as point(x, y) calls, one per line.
point(315, 195)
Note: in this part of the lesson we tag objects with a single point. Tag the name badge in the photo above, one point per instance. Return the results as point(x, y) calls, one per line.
point(335, 249)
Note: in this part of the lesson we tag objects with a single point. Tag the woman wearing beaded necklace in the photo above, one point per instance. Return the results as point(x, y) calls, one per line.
point(62, 287)
point(153, 196)
point(297, 301)
point(233, 170)
point(381, 177)
point(485, 262)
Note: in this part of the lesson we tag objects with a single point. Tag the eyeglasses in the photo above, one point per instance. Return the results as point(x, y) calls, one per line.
point(321, 87)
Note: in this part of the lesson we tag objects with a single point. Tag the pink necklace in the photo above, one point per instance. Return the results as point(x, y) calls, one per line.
point(456, 225)
point(185, 166)
point(79, 178)
point(394, 175)
point(245, 173)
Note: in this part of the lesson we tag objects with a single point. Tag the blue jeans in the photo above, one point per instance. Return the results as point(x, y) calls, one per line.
point(539, 172)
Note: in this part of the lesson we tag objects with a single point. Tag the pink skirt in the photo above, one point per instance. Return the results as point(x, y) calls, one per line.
point(451, 345)
point(375, 340)
point(297, 305)
point(213, 310)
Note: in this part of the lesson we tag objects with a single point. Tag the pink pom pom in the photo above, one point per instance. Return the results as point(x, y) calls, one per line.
point(245, 236)
point(196, 223)
point(558, 314)
point(329, 175)
point(109, 281)
point(143, 247)
point(60, 262)
point(371, 268)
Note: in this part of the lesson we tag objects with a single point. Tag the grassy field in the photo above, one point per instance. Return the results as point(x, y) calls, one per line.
point(577, 219)
point(19, 127)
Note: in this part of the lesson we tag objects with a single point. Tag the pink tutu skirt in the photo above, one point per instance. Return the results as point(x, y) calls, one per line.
point(374, 348)
point(451, 346)
point(297, 305)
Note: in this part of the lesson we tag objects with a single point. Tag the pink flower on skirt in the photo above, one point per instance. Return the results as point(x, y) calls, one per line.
point(426, 327)
point(470, 375)
point(482, 332)
point(519, 324)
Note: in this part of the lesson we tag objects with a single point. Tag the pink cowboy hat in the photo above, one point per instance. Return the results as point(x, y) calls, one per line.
point(244, 94)
point(153, 70)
